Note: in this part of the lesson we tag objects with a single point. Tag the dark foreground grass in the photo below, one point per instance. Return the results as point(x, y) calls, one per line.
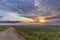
point(39, 34)
point(3, 28)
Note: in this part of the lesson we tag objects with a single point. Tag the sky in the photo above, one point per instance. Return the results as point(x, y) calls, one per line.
point(17, 10)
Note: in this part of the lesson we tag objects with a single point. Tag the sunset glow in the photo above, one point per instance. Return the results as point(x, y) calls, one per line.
point(27, 20)
point(38, 19)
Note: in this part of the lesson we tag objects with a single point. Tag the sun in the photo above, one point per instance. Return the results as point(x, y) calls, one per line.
point(41, 19)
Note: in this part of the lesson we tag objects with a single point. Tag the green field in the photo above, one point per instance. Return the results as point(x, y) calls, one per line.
point(3, 28)
point(50, 33)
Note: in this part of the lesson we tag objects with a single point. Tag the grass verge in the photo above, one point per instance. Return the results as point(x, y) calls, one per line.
point(3, 28)
point(25, 35)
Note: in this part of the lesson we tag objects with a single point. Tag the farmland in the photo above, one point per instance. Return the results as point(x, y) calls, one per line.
point(38, 32)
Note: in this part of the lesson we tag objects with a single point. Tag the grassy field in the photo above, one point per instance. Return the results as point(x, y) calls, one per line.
point(38, 33)
point(3, 28)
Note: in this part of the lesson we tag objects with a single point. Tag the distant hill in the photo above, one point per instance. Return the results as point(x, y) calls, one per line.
point(10, 21)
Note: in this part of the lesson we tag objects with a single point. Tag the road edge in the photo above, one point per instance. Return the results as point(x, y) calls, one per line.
point(21, 38)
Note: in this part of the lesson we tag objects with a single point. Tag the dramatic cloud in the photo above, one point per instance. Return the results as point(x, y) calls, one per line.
point(14, 17)
point(15, 9)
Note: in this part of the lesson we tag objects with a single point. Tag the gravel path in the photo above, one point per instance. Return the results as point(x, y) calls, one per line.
point(8, 35)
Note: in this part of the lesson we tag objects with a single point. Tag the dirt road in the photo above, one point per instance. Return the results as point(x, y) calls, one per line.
point(8, 35)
